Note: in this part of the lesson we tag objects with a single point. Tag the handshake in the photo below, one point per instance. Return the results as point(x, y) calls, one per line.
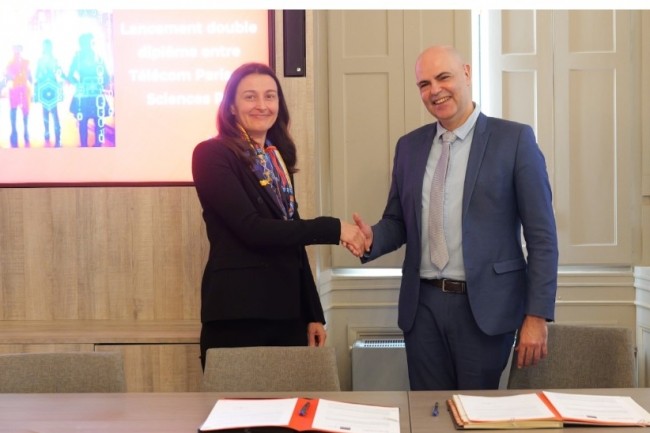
point(357, 237)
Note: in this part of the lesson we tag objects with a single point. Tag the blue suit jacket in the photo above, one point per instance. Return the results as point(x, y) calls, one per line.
point(506, 188)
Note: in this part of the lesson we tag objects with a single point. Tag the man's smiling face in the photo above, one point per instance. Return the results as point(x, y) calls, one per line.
point(445, 86)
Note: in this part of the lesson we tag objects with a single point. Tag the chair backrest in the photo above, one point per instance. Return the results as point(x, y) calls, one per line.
point(271, 369)
point(581, 357)
point(62, 372)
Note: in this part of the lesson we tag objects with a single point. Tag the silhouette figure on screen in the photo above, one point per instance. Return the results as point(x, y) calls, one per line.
point(20, 78)
point(89, 74)
point(49, 90)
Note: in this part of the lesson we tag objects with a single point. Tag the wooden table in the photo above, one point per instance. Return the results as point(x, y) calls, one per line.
point(421, 405)
point(181, 412)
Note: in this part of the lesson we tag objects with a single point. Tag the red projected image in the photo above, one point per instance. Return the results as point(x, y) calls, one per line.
point(57, 84)
point(115, 96)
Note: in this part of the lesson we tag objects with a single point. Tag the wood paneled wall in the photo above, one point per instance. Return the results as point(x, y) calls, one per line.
point(97, 253)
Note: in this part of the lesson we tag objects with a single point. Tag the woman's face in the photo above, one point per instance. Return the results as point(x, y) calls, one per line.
point(256, 105)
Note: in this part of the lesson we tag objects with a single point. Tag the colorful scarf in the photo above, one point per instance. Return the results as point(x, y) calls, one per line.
point(273, 175)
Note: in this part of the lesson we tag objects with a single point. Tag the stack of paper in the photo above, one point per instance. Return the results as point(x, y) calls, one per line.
point(545, 410)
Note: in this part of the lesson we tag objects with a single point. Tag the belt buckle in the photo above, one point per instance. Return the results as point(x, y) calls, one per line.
point(452, 286)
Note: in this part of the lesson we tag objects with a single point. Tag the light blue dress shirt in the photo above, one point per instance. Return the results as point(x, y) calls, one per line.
point(453, 200)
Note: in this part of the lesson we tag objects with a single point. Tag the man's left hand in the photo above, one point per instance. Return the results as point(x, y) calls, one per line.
point(532, 341)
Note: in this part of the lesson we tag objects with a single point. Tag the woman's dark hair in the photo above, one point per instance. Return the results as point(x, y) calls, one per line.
point(230, 135)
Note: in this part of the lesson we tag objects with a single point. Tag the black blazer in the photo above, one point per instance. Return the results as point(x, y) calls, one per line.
point(257, 266)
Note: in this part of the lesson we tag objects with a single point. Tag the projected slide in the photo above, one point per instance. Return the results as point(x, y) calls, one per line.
point(105, 96)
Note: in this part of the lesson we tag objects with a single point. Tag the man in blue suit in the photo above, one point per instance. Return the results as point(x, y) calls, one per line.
point(460, 317)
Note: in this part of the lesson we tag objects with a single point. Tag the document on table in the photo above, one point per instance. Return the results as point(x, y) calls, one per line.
point(235, 413)
point(301, 414)
point(545, 410)
point(335, 416)
point(504, 408)
point(598, 409)
point(524, 411)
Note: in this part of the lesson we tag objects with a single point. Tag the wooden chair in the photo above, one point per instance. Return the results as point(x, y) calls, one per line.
point(581, 357)
point(62, 372)
point(271, 369)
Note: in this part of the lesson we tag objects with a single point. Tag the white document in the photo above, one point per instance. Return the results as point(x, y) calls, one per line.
point(506, 408)
point(609, 409)
point(341, 417)
point(329, 416)
point(237, 413)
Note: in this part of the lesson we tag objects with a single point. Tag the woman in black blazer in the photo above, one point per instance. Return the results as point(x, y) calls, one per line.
point(257, 288)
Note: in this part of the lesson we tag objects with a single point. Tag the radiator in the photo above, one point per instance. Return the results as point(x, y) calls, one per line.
point(379, 365)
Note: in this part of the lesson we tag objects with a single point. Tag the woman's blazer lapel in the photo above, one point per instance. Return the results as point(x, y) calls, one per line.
point(263, 194)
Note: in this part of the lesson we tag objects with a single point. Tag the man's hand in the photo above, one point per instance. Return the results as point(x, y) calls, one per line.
point(531, 341)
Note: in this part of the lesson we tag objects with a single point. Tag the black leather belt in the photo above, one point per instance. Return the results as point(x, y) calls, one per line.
point(447, 285)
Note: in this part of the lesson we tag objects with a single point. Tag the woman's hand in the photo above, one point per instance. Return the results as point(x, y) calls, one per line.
point(365, 229)
point(353, 238)
point(316, 334)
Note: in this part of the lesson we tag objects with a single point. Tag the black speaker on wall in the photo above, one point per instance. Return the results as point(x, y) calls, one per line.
point(294, 43)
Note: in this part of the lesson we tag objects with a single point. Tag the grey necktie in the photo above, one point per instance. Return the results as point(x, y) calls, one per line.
point(437, 242)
